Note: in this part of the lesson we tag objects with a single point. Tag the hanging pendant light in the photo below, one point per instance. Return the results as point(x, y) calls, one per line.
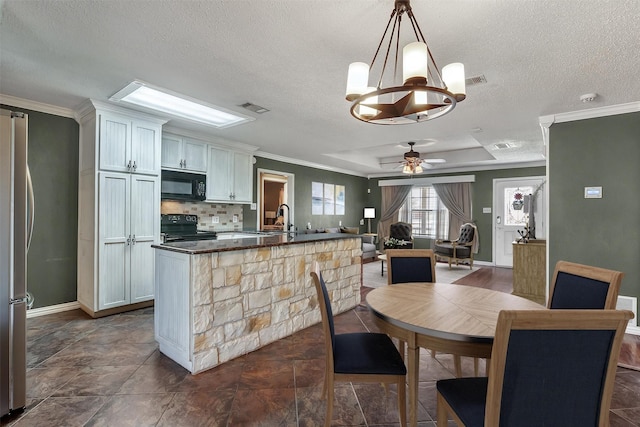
point(423, 94)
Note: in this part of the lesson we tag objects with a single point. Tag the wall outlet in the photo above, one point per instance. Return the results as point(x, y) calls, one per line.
point(362, 222)
point(215, 220)
point(339, 223)
point(253, 206)
point(308, 226)
point(486, 210)
point(235, 218)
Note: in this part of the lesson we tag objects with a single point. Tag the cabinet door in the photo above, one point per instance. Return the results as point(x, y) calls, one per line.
point(145, 228)
point(115, 142)
point(145, 148)
point(113, 240)
point(218, 177)
point(242, 178)
point(171, 152)
point(194, 155)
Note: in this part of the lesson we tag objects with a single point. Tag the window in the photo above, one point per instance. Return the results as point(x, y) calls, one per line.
point(426, 213)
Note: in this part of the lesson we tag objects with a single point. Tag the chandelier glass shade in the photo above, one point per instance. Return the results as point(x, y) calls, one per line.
point(424, 92)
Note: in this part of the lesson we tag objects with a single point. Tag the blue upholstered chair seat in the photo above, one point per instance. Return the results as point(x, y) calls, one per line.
point(366, 353)
point(468, 396)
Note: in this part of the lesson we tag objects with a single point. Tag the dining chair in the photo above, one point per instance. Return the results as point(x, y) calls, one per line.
point(548, 367)
point(410, 265)
point(577, 286)
point(357, 357)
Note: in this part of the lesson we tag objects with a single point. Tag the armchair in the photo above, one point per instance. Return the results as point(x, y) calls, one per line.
point(460, 249)
point(402, 231)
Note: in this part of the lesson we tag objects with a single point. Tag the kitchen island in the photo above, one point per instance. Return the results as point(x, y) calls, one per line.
point(219, 299)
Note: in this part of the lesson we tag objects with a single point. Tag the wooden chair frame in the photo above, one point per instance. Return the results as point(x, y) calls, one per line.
point(455, 245)
point(614, 278)
point(509, 320)
point(409, 253)
point(331, 376)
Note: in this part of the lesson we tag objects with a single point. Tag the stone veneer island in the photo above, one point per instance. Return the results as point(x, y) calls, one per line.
point(219, 299)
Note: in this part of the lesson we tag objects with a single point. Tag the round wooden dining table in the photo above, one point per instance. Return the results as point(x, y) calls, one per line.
point(453, 319)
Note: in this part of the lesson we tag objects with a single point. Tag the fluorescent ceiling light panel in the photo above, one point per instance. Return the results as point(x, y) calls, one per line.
point(157, 99)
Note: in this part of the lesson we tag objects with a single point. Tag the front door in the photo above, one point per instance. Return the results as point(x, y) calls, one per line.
point(512, 210)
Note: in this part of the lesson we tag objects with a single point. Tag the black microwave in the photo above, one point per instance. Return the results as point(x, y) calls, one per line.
point(183, 185)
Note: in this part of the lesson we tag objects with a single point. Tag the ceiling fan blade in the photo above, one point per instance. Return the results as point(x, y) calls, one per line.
point(434, 160)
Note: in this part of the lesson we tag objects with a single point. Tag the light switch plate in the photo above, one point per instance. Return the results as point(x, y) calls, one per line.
point(253, 206)
point(215, 220)
point(486, 210)
point(593, 192)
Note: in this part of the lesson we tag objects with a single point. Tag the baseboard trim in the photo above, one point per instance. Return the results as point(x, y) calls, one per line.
point(51, 309)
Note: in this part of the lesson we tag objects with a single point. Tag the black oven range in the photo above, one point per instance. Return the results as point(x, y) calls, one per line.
point(182, 227)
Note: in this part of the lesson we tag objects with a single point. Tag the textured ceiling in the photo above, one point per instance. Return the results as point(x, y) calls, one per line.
point(291, 57)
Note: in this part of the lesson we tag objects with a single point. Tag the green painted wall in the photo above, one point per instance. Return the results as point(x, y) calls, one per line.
point(355, 195)
point(603, 232)
point(53, 162)
point(482, 194)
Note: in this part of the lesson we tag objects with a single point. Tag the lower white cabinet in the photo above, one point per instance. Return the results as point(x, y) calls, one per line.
point(128, 221)
point(172, 313)
point(229, 176)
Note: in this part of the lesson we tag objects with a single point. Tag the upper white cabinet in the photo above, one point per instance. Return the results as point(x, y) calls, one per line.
point(183, 154)
point(229, 176)
point(128, 144)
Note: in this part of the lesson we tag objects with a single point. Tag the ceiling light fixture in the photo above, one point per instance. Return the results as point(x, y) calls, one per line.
point(424, 94)
point(157, 99)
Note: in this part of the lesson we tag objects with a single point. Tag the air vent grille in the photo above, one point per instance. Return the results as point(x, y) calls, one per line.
point(504, 145)
point(476, 80)
point(253, 107)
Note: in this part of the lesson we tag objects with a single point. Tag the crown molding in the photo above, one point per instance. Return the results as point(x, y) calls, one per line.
point(227, 143)
point(591, 113)
point(307, 164)
point(36, 106)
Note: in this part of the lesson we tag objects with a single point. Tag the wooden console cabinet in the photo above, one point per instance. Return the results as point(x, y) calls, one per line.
point(529, 270)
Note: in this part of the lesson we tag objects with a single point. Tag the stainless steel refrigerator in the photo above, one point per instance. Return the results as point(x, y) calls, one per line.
point(16, 210)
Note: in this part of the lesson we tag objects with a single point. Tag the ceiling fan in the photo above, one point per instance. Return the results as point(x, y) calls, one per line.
point(412, 163)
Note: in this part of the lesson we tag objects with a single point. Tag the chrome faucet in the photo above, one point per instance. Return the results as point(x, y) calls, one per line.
point(281, 213)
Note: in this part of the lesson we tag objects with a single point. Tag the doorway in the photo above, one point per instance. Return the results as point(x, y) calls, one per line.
point(275, 188)
point(515, 207)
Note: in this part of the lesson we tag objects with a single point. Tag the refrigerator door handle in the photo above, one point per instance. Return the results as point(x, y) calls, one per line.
point(31, 208)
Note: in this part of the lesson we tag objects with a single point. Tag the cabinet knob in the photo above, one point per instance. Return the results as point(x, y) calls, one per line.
point(181, 163)
point(129, 165)
point(185, 163)
point(135, 166)
point(133, 240)
point(129, 240)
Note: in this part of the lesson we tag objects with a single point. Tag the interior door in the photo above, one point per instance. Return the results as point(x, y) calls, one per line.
point(511, 214)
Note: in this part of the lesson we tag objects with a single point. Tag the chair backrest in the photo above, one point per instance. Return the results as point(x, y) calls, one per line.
point(410, 265)
point(554, 367)
point(324, 301)
point(467, 233)
point(577, 286)
point(401, 231)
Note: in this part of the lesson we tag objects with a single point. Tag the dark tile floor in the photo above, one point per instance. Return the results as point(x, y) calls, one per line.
point(108, 372)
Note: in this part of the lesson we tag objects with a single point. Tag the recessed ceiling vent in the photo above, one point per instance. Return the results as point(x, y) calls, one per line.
point(504, 145)
point(253, 107)
point(476, 80)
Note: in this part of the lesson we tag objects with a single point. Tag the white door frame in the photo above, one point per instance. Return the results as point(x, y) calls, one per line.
point(543, 211)
point(290, 193)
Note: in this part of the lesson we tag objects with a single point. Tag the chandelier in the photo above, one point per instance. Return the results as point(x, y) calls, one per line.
point(424, 94)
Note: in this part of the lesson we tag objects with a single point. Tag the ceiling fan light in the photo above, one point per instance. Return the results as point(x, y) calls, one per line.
point(415, 59)
point(407, 169)
point(357, 80)
point(418, 169)
point(453, 77)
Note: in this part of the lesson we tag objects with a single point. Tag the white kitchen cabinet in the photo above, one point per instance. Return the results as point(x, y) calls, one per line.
point(183, 154)
point(229, 176)
point(128, 145)
point(128, 218)
point(118, 208)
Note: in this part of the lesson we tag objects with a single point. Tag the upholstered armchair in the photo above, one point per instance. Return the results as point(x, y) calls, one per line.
point(401, 231)
point(460, 249)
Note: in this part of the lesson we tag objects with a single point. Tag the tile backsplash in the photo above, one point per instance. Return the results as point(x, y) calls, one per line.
point(206, 212)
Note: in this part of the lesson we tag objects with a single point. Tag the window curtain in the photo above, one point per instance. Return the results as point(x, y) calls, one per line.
point(457, 198)
point(392, 199)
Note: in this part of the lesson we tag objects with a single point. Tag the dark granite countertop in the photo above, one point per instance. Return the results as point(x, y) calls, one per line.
point(260, 241)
